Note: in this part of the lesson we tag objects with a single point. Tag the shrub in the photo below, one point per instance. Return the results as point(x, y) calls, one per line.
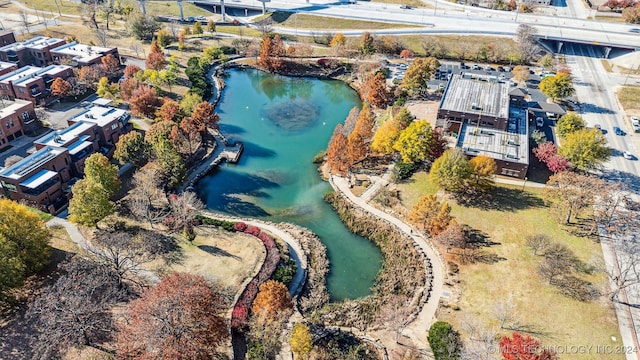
point(403, 171)
point(240, 226)
point(252, 230)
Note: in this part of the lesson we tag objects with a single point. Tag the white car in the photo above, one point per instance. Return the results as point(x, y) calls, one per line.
point(627, 155)
point(539, 122)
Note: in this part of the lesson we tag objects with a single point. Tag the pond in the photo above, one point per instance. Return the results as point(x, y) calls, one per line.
point(283, 122)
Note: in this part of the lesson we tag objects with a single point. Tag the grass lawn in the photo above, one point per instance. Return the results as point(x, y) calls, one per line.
point(460, 46)
point(559, 319)
point(65, 6)
point(304, 21)
point(416, 3)
point(228, 258)
point(629, 97)
point(157, 8)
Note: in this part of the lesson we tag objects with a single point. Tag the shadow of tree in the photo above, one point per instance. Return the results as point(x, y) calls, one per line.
point(213, 250)
point(498, 198)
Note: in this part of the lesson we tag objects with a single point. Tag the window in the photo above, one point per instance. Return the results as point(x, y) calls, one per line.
point(114, 126)
point(21, 90)
point(25, 115)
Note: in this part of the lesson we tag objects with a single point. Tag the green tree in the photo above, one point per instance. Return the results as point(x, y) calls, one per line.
point(98, 168)
point(169, 160)
point(444, 341)
point(586, 149)
point(367, 44)
point(419, 73)
point(197, 28)
point(300, 339)
point(451, 170)
point(483, 169)
point(163, 38)
point(142, 27)
point(189, 101)
point(404, 118)
point(131, 148)
point(414, 142)
point(211, 26)
point(24, 244)
point(90, 203)
point(569, 123)
point(558, 86)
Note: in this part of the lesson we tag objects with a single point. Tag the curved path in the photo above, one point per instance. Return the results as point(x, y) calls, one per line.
point(416, 329)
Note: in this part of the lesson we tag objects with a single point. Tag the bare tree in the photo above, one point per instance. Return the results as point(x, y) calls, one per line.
point(526, 39)
point(43, 116)
point(625, 271)
point(538, 243)
point(506, 313)
point(265, 25)
point(395, 314)
point(174, 29)
point(76, 309)
point(481, 344)
point(90, 10)
point(106, 9)
point(24, 17)
point(146, 200)
point(137, 48)
point(184, 209)
point(102, 36)
point(12, 160)
point(558, 260)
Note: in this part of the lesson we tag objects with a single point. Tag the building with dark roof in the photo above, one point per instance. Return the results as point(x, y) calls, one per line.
point(486, 120)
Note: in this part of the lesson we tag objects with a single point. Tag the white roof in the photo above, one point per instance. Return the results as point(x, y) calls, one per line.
point(78, 146)
point(80, 52)
point(22, 73)
point(101, 115)
point(64, 136)
point(13, 108)
point(102, 102)
point(39, 178)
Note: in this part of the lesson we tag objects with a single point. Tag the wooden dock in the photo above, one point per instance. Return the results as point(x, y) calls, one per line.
point(232, 153)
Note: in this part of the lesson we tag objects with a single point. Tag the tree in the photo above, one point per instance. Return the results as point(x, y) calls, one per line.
point(60, 87)
point(338, 40)
point(24, 244)
point(170, 110)
point(547, 153)
point(526, 39)
point(189, 101)
point(130, 71)
point(451, 171)
point(185, 137)
point(128, 86)
point(98, 168)
point(452, 236)
point(520, 74)
point(538, 243)
point(184, 209)
point(180, 318)
point(155, 61)
point(445, 342)
point(374, 90)
point(419, 73)
point(163, 38)
point(270, 52)
point(142, 27)
point(632, 14)
point(300, 340)
point(359, 140)
point(170, 161)
point(76, 309)
point(90, 74)
point(483, 169)
point(367, 44)
point(12, 160)
point(337, 157)
point(430, 215)
point(414, 142)
point(110, 66)
point(523, 347)
point(131, 148)
point(204, 117)
point(571, 192)
point(90, 203)
point(558, 86)
point(585, 149)
point(107, 90)
point(570, 123)
point(211, 26)
point(407, 54)
point(558, 163)
point(385, 137)
point(272, 299)
point(144, 101)
point(159, 130)
point(146, 200)
point(197, 28)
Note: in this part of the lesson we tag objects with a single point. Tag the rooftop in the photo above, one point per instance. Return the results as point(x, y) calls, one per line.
point(38, 43)
point(81, 52)
point(511, 145)
point(65, 136)
point(18, 75)
point(477, 94)
point(39, 178)
point(101, 115)
point(6, 65)
point(49, 70)
point(13, 108)
point(32, 162)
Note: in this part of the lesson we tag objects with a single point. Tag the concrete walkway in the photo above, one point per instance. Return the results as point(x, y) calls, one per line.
point(416, 330)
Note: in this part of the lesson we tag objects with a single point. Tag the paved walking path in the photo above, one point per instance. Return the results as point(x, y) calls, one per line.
point(416, 330)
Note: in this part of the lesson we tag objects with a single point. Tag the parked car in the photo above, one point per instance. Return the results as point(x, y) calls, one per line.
point(627, 155)
point(408, 7)
point(635, 30)
point(500, 68)
point(476, 67)
point(191, 19)
point(618, 131)
point(598, 127)
point(488, 68)
point(539, 122)
point(635, 123)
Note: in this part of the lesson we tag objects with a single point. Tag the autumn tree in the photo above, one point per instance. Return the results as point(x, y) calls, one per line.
point(570, 123)
point(548, 154)
point(90, 74)
point(407, 54)
point(374, 90)
point(272, 299)
point(367, 44)
point(451, 171)
point(106, 89)
point(337, 157)
point(60, 87)
point(524, 347)
point(211, 26)
point(110, 66)
point(144, 101)
point(159, 130)
point(163, 38)
point(301, 340)
point(170, 110)
point(188, 311)
point(419, 73)
point(359, 140)
point(131, 148)
point(483, 169)
point(520, 74)
point(570, 192)
point(452, 236)
point(558, 86)
point(585, 149)
point(189, 101)
point(76, 310)
point(90, 203)
point(185, 137)
point(270, 51)
point(98, 168)
point(24, 244)
point(130, 71)
point(197, 28)
point(430, 215)
point(155, 59)
point(204, 117)
point(445, 342)
point(338, 40)
point(127, 87)
point(385, 137)
point(415, 141)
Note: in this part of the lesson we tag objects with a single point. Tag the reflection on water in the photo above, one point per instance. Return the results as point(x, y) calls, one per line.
point(275, 178)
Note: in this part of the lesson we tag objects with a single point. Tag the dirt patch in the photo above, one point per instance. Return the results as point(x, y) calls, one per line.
point(424, 110)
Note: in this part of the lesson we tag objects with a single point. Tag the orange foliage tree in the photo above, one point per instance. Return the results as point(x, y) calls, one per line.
point(180, 318)
point(270, 52)
point(127, 88)
point(130, 71)
point(170, 110)
point(110, 65)
point(271, 300)
point(337, 157)
point(90, 74)
point(155, 59)
point(60, 87)
point(144, 101)
point(360, 138)
point(374, 90)
point(204, 116)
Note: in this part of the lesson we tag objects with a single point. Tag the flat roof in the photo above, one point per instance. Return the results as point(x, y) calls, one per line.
point(7, 65)
point(39, 178)
point(27, 165)
point(49, 70)
point(477, 94)
point(510, 146)
point(65, 136)
point(101, 115)
point(78, 146)
point(37, 42)
point(81, 52)
point(102, 102)
point(18, 75)
point(11, 109)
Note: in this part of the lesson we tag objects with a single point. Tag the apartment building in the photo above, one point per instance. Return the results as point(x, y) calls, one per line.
point(14, 119)
point(81, 54)
point(35, 51)
point(7, 67)
point(33, 83)
point(7, 37)
point(111, 124)
point(80, 139)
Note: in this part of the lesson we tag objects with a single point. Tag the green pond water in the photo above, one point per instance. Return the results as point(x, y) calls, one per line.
point(283, 122)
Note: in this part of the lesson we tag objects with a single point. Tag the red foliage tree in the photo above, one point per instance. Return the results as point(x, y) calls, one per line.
point(110, 65)
point(204, 116)
point(60, 87)
point(374, 90)
point(128, 86)
point(439, 144)
point(548, 154)
point(180, 318)
point(558, 163)
point(523, 347)
point(337, 156)
point(545, 151)
point(407, 54)
point(144, 101)
point(91, 74)
point(130, 71)
point(155, 61)
point(170, 110)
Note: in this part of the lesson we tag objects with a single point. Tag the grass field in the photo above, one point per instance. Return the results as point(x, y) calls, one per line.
point(558, 319)
point(304, 21)
point(415, 3)
point(629, 97)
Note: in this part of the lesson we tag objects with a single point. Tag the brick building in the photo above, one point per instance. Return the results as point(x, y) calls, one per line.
point(7, 67)
point(33, 83)
point(35, 51)
point(7, 37)
point(14, 118)
point(80, 139)
point(111, 124)
point(81, 54)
